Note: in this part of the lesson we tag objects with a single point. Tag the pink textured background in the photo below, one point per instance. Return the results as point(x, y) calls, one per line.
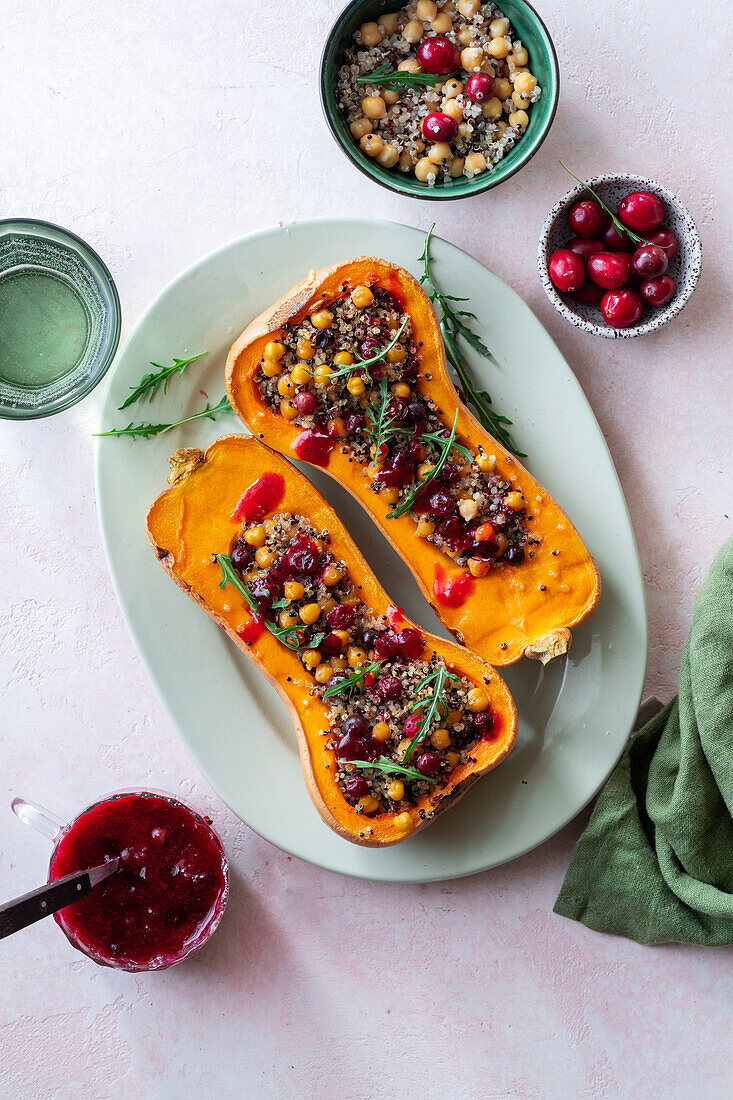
point(158, 132)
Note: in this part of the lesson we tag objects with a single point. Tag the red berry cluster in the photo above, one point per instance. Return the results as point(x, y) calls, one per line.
point(603, 267)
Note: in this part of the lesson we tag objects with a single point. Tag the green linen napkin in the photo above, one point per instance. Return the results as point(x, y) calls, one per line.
point(655, 863)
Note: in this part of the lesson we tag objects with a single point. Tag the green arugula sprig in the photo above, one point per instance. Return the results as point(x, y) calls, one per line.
point(445, 446)
point(365, 364)
point(620, 227)
point(347, 685)
point(291, 636)
point(386, 77)
point(384, 764)
point(436, 704)
point(452, 327)
point(149, 384)
point(380, 426)
point(145, 431)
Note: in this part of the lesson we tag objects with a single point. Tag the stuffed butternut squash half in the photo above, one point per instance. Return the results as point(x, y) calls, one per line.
point(348, 372)
point(393, 724)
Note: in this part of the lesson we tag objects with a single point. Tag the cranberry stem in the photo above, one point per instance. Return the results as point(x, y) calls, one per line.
point(622, 229)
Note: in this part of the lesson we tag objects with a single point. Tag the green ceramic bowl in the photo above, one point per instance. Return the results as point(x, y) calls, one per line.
point(543, 62)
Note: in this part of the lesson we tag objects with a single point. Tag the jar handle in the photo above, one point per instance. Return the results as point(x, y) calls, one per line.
point(39, 818)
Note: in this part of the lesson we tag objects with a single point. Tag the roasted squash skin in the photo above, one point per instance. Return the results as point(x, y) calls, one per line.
point(514, 610)
point(192, 520)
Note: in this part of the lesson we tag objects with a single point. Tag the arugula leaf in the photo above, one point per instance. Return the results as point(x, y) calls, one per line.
point(435, 705)
point(389, 767)
point(407, 503)
point(150, 383)
point(145, 431)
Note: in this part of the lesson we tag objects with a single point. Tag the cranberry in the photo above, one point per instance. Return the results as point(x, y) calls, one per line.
point(261, 590)
point(337, 678)
point(657, 292)
point(615, 241)
point(483, 723)
point(369, 347)
point(609, 269)
point(479, 87)
point(305, 402)
point(438, 55)
point(412, 725)
point(324, 337)
point(666, 239)
point(587, 218)
point(369, 638)
point(356, 725)
point(355, 747)
point(621, 308)
point(410, 368)
point(399, 468)
point(341, 616)
point(649, 260)
point(514, 555)
point(242, 555)
point(566, 270)
point(586, 248)
point(396, 409)
point(450, 471)
point(409, 643)
point(354, 422)
point(384, 646)
point(455, 533)
point(590, 294)
point(428, 763)
point(331, 644)
point(388, 687)
point(302, 556)
point(642, 211)
point(356, 786)
point(439, 127)
point(441, 503)
point(416, 412)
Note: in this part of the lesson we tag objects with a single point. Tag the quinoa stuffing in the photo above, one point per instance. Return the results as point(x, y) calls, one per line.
point(400, 721)
point(348, 374)
point(460, 124)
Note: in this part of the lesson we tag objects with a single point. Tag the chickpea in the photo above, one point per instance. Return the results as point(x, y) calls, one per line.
point(300, 375)
point(322, 375)
point(453, 108)
point(338, 425)
point(326, 604)
point(390, 96)
point(274, 350)
point(255, 536)
point(331, 576)
point(286, 386)
point(388, 23)
point(401, 389)
point(288, 409)
point(356, 386)
point(449, 7)
point(464, 129)
point(478, 567)
point(294, 590)
point(426, 171)
point(468, 509)
point(388, 156)
point(396, 790)
point(519, 57)
point(442, 23)
point(475, 163)
point(456, 167)
point(452, 759)
point(343, 636)
point(519, 119)
point(520, 100)
point(499, 27)
point(264, 557)
point(311, 658)
point(323, 673)
point(370, 34)
point(478, 700)
point(322, 318)
point(381, 732)
point(287, 619)
point(356, 656)
point(424, 469)
point(409, 65)
point(390, 495)
point(469, 7)
point(368, 804)
point(427, 9)
point(492, 108)
point(373, 106)
point(498, 48)
point(440, 739)
point(514, 500)
point(486, 463)
point(407, 161)
point(440, 152)
point(371, 144)
point(502, 88)
point(471, 58)
point(304, 348)
point(359, 127)
point(452, 88)
point(413, 31)
point(270, 368)
point(310, 613)
point(425, 527)
point(465, 36)
point(500, 128)
point(403, 822)
point(396, 354)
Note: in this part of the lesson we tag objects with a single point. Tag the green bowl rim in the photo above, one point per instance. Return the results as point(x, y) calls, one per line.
point(115, 315)
point(444, 194)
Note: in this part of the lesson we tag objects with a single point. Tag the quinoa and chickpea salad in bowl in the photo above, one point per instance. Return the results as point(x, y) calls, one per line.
point(462, 92)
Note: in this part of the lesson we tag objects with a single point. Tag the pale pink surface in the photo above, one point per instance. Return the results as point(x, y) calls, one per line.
point(137, 126)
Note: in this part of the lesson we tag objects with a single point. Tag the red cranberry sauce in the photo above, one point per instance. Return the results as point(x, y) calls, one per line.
point(171, 884)
point(317, 383)
point(262, 496)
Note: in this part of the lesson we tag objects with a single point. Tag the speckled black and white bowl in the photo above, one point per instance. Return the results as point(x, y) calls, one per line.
point(684, 267)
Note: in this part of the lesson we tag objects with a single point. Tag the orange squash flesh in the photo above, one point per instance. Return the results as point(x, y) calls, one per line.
point(514, 609)
point(189, 522)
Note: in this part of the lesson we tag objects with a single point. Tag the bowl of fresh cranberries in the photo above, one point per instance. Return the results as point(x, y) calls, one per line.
point(619, 256)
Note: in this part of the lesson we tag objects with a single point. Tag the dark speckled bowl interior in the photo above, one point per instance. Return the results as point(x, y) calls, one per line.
point(543, 63)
